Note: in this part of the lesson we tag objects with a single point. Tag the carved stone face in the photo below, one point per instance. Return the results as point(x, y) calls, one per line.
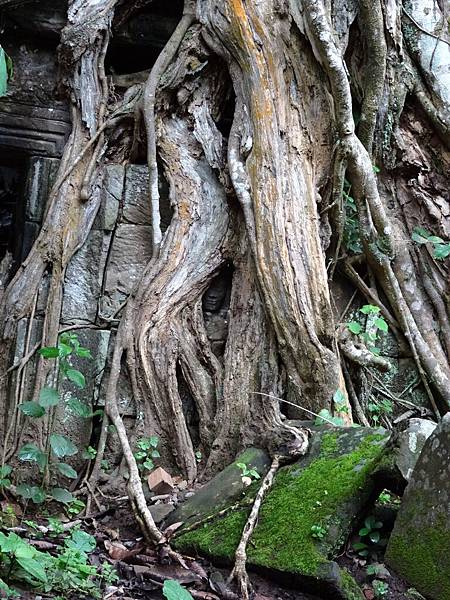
point(214, 296)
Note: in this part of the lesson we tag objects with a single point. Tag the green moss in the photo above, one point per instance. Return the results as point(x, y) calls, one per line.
point(301, 497)
point(350, 587)
point(421, 553)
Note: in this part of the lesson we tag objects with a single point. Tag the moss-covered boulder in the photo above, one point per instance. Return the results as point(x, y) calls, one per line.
point(307, 515)
point(419, 547)
point(225, 488)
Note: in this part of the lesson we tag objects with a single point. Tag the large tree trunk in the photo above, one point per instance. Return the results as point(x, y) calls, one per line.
point(324, 91)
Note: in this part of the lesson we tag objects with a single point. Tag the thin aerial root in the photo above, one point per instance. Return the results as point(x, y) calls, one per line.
point(297, 447)
point(239, 572)
point(162, 62)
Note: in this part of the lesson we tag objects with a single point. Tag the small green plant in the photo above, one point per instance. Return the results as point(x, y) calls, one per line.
point(386, 497)
point(375, 325)
point(380, 588)
point(198, 456)
point(89, 453)
point(379, 408)
point(5, 482)
point(75, 507)
point(55, 527)
point(370, 539)
point(172, 590)
point(340, 406)
point(318, 532)
point(59, 446)
point(146, 453)
point(441, 249)
point(248, 474)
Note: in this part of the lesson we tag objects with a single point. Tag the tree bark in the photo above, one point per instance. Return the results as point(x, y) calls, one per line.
point(323, 93)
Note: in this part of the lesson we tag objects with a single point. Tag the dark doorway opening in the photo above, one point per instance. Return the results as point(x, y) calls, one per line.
point(12, 184)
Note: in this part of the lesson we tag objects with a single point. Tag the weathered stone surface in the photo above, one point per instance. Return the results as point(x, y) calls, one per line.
point(41, 176)
point(29, 235)
point(136, 206)
point(226, 487)
point(411, 442)
point(112, 190)
point(130, 253)
point(419, 547)
point(160, 511)
point(329, 487)
point(84, 276)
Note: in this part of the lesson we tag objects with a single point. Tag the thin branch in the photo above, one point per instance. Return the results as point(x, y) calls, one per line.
point(310, 412)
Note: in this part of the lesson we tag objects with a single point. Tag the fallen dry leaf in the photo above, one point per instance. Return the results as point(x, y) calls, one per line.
point(169, 531)
point(118, 551)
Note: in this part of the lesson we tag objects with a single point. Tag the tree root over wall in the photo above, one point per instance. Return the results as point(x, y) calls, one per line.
point(257, 199)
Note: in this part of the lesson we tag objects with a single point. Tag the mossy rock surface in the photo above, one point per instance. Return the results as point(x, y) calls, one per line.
point(226, 487)
point(329, 487)
point(419, 546)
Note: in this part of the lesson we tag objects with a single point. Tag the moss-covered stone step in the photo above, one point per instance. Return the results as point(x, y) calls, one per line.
point(419, 546)
point(328, 488)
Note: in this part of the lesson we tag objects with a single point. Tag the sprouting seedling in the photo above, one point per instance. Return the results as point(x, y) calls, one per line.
point(147, 452)
point(59, 446)
point(318, 532)
point(248, 474)
point(375, 324)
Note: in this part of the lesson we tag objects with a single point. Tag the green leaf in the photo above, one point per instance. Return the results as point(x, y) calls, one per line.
point(374, 536)
point(172, 590)
point(62, 446)
point(434, 239)
point(61, 495)
point(29, 492)
point(381, 324)
point(441, 251)
point(5, 471)
point(420, 235)
point(24, 550)
point(80, 408)
point(3, 73)
point(84, 352)
point(354, 327)
point(338, 397)
point(76, 377)
point(25, 491)
point(31, 453)
point(375, 169)
point(33, 568)
point(153, 440)
point(359, 546)
point(67, 470)
point(48, 396)
point(364, 531)
point(81, 541)
point(64, 349)
point(32, 409)
point(369, 309)
point(49, 352)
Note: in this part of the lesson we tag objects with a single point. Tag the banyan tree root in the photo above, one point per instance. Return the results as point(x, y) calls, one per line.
point(239, 573)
